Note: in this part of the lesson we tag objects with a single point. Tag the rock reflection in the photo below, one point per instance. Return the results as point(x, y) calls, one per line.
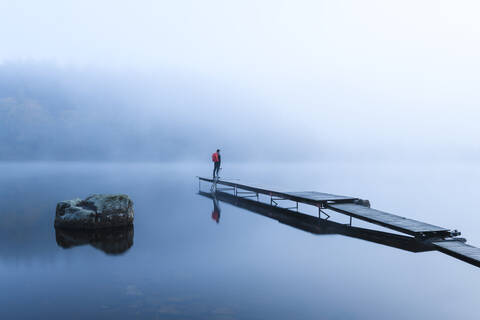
point(113, 241)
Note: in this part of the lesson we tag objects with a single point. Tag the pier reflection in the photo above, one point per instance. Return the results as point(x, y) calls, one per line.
point(320, 226)
point(113, 241)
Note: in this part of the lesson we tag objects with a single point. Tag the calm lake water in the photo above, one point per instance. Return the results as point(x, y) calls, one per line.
point(179, 263)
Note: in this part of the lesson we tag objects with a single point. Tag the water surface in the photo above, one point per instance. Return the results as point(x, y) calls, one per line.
point(178, 262)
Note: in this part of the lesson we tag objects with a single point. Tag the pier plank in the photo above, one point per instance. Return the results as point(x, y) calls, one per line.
point(459, 250)
point(386, 219)
point(318, 196)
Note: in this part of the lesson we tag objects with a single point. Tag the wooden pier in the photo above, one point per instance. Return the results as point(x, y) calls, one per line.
point(317, 226)
point(421, 236)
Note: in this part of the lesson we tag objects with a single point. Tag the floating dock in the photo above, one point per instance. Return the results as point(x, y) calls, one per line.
point(317, 226)
point(422, 236)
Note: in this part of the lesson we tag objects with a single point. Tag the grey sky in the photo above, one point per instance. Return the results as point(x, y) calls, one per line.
point(207, 35)
point(387, 74)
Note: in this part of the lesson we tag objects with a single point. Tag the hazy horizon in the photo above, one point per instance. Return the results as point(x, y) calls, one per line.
point(59, 113)
point(269, 81)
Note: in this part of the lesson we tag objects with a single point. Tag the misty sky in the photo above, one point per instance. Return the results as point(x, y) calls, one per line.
point(397, 78)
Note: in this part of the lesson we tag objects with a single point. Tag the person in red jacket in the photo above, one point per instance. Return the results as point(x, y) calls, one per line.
point(216, 158)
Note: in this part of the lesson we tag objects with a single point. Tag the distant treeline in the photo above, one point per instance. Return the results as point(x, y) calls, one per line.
point(51, 112)
point(48, 112)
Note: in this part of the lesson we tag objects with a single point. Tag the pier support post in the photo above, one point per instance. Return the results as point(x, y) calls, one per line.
point(320, 213)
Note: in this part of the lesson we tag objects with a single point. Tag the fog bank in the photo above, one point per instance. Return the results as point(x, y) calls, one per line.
point(50, 112)
point(263, 81)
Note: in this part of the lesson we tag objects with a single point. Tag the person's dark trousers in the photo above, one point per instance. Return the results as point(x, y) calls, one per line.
point(216, 167)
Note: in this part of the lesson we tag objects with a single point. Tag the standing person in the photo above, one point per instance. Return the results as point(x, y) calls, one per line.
point(216, 158)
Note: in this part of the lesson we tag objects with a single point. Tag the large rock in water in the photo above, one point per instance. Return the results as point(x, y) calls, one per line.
point(96, 211)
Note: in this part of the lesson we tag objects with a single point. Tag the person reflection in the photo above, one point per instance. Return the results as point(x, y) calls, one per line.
point(216, 210)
